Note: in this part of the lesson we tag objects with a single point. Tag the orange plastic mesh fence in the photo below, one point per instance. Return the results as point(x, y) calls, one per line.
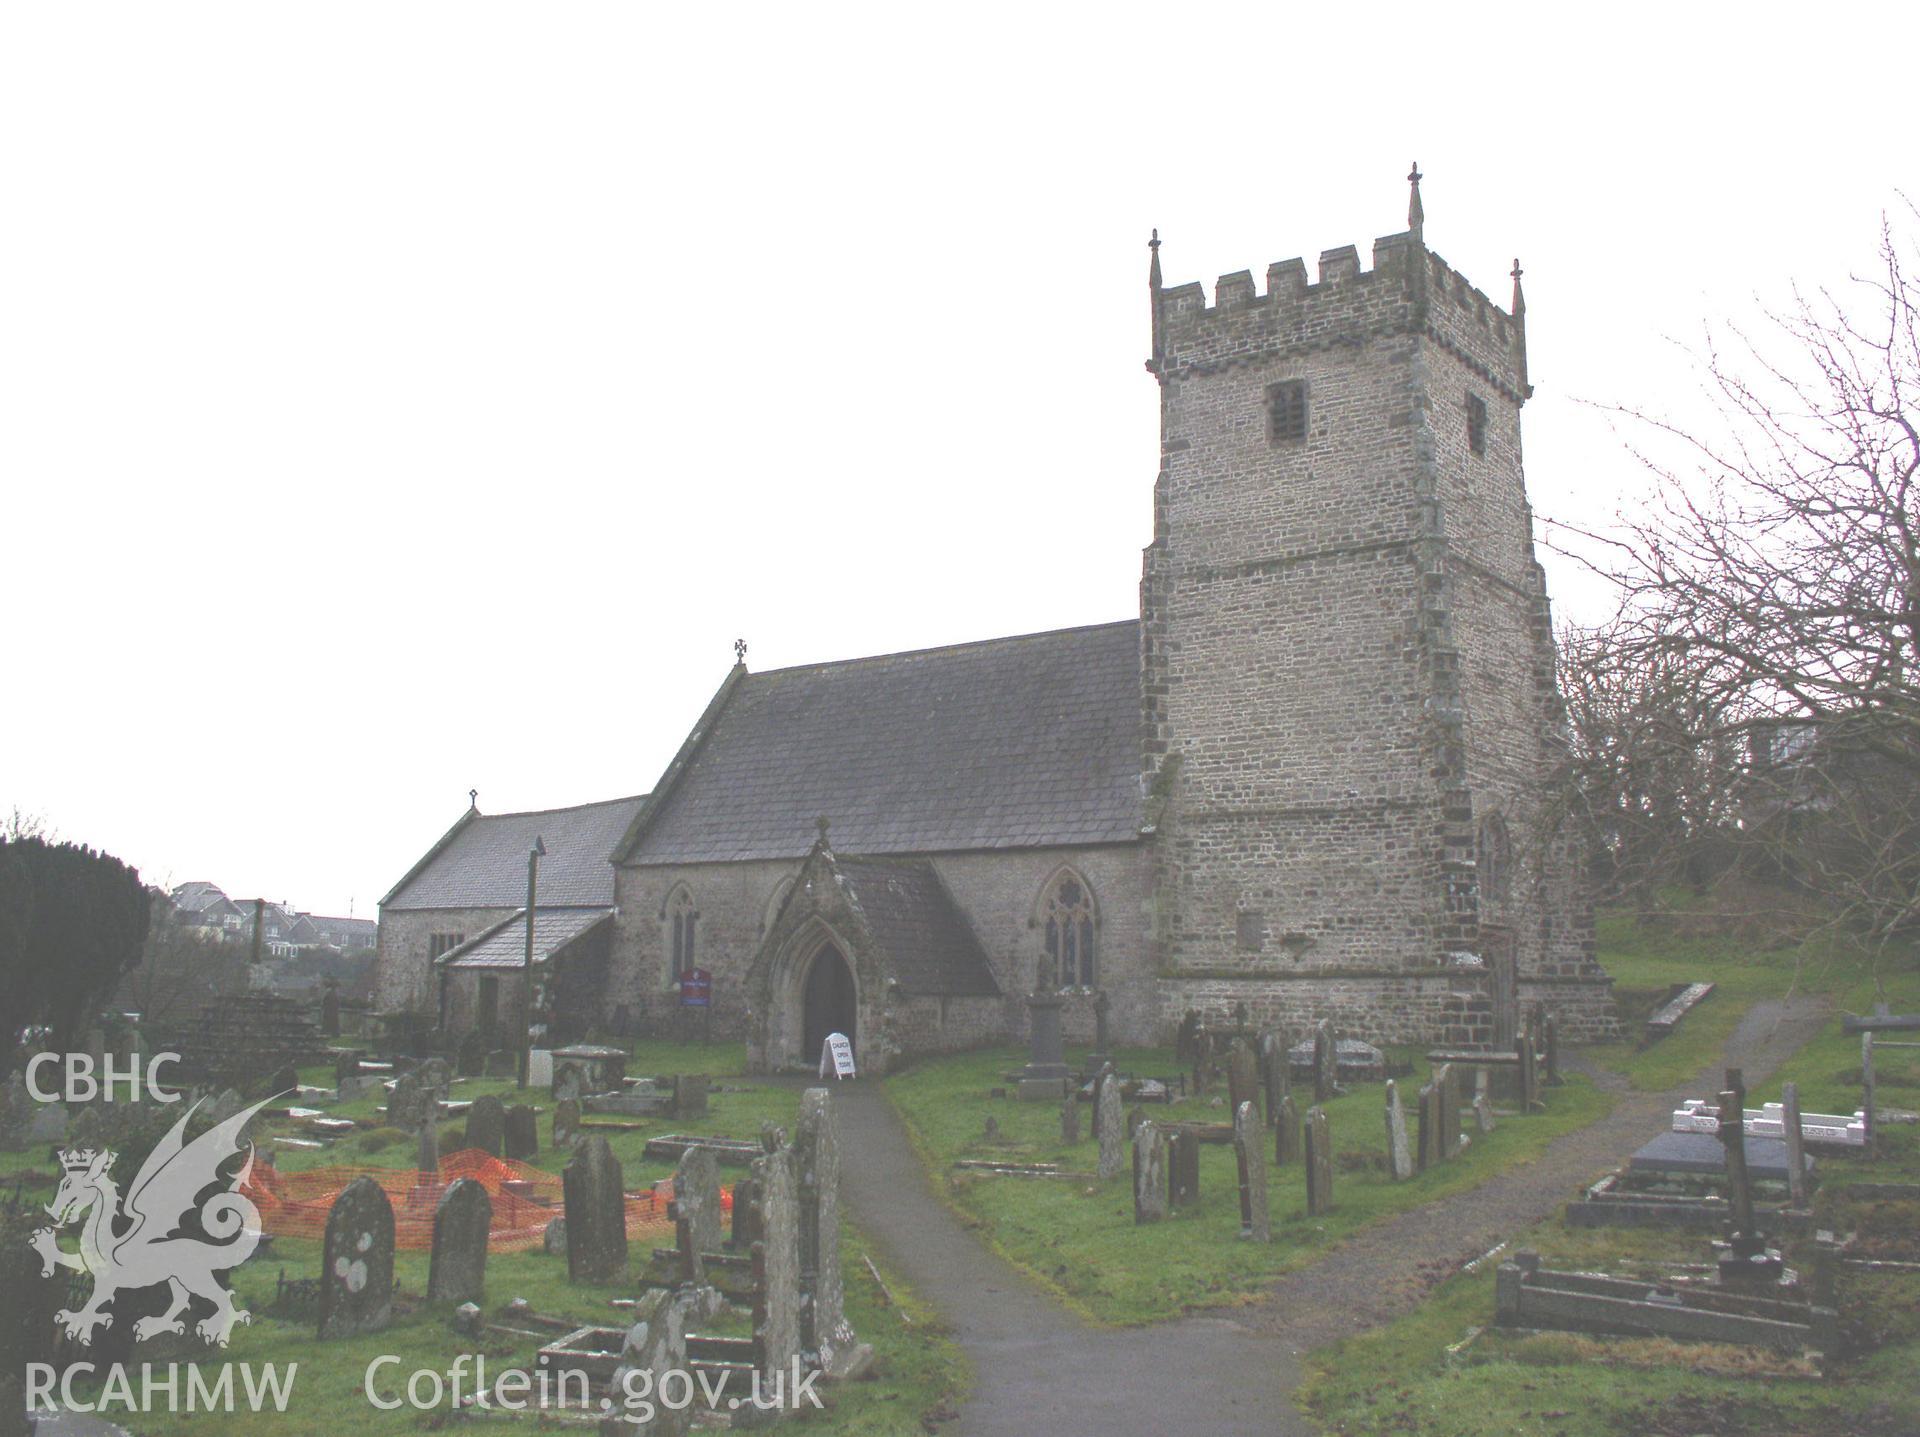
point(525, 1200)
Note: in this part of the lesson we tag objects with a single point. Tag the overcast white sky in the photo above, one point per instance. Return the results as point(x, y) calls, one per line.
point(402, 398)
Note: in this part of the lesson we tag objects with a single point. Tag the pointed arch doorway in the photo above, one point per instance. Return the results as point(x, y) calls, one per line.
point(828, 1002)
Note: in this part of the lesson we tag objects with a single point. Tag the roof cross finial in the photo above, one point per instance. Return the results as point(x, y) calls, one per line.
point(821, 824)
point(739, 651)
point(473, 798)
point(1416, 212)
point(1519, 299)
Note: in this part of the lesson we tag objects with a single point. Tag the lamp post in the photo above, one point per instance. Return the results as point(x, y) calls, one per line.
point(534, 855)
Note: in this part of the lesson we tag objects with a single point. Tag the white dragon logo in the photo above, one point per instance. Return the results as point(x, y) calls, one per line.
point(151, 1248)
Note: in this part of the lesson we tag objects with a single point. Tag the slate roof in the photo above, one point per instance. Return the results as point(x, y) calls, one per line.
point(482, 861)
point(921, 929)
point(1021, 742)
point(504, 945)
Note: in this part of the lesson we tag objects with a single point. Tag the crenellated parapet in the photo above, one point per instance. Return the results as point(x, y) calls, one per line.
point(1408, 289)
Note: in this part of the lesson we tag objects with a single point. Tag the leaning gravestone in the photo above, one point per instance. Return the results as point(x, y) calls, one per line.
point(776, 1265)
point(521, 1137)
point(596, 1212)
point(1108, 1122)
point(457, 1269)
point(1286, 1132)
point(1249, 1155)
point(1183, 1168)
point(566, 1122)
point(1319, 1163)
point(487, 1125)
point(1399, 1158)
point(356, 1262)
point(746, 1215)
point(1243, 1078)
point(1150, 1187)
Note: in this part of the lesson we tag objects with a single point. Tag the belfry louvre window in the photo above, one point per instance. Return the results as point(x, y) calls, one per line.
point(1287, 412)
point(1476, 424)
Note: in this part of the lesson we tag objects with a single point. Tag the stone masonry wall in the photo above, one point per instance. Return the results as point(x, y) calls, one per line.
point(404, 981)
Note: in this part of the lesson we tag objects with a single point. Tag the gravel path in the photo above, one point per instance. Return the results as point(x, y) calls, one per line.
point(1042, 1370)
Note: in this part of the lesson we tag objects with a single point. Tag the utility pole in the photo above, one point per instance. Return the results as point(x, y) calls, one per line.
point(534, 855)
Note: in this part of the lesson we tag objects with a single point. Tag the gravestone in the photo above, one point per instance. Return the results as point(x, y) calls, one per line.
point(457, 1269)
point(521, 1140)
point(426, 1157)
point(330, 1012)
point(1070, 1121)
point(1399, 1157)
point(1319, 1163)
point(1286, 1132)
point(1326, 1060)
point(554, 1238)
point(596, 1211)
point(281, 1081)
point(1276, 1073)
point(1102, 1044)
point(411, 1102)
point(1107, 1123)
point(1183, 1168)
point(346, 1064)
point(569, 1081)
point(1432, 1150)
point(1249, 1155)
point(824, 1330)
point(1528, 1062)
point(1203, 1062)
point(689, 1095)
point(356, 1262)
point(1186, 1043)
point(746, 1214)
point(48, 1124)
point(1446, 1082)
point(655, 1345)
point(1550, 1038)
point(487, 1125)
point(1243, 1077)
point(1135, 1117)
point(566, 1122)
point(1046, 1070)
point(696, 1210)
point(435, 1075)
point(1796, 1154)
point(472, 1059)
point(776, 1265)
point(1482, 1113)
point(1149, 1174)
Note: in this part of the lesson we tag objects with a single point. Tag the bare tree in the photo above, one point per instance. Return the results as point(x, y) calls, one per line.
point(1777, 571)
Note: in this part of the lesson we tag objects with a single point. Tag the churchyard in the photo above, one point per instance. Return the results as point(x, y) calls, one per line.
point(1181, 1209)
point(530, 1300)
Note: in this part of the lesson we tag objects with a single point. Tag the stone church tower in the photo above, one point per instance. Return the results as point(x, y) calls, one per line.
point(1350, 724)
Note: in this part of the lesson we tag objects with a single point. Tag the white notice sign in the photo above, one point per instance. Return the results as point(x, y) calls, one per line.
point(836, 1056)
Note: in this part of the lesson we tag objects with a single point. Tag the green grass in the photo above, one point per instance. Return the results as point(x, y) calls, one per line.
point(1079, 1238)
point(1402, 1379)
point(919, 1368)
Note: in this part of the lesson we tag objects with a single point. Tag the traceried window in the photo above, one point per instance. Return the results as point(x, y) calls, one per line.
point(1287, 412)
point(1070, 931)
point(682, 941)
point(1476, 424)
